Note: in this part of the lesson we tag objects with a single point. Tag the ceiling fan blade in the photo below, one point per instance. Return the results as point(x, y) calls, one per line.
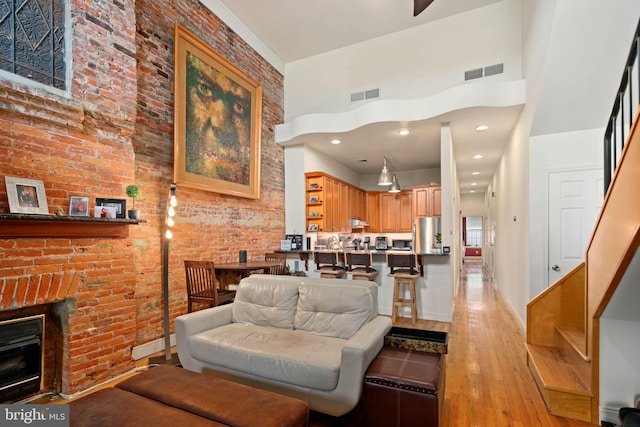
point(420, 5)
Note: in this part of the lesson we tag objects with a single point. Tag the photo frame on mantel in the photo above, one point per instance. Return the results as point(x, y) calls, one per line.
point(218, 111)
point(26, 196)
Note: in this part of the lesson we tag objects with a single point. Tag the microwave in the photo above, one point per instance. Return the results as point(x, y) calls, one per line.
point(401, 245)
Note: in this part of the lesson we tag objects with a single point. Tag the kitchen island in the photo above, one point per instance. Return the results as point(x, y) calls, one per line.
point(433, 287)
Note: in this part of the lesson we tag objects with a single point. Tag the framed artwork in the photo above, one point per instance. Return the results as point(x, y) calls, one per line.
point(312, 227)
point(104, 212)
point(26, 196)
point(218, 111)
point(314, 199)
point(120, 206)
point(79, 206)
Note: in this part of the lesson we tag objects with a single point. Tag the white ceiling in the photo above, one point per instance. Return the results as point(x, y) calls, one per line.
point(295, 29)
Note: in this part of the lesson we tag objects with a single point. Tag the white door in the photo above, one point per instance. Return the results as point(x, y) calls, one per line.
point(575, 199)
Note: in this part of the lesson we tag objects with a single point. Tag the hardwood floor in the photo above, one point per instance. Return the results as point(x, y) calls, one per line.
point(488, 381)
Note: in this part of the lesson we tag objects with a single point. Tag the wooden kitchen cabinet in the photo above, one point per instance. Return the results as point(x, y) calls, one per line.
point(395, 212)
point(332, 203)
point(426, 200)
point(373, 210)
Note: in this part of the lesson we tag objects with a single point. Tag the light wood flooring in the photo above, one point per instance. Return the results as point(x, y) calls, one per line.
point(488, 381)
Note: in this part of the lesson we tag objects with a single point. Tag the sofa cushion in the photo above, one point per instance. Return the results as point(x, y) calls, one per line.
point(266, 301)
point(371, 286)
point(333, 310)
point(293, 357)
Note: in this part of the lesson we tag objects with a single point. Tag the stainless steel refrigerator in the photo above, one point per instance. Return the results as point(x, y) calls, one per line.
point(424, 235)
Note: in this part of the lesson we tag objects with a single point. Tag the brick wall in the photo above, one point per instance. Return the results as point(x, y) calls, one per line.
point(115, 129)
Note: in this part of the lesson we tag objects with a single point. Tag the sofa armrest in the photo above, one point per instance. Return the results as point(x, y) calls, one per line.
point(194, 323)
point(357, 354)
point(366, 343)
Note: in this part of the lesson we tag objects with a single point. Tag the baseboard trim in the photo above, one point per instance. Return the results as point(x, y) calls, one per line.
point(152, 347)
point(609, 415)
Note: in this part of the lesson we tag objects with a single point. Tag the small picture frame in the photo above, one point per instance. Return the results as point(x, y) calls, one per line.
point(105, 212)
point(312, 227)
point(119, 204)
point(285, 245)
point(446, 250)
point(313, 186)
point(313, 213)
point(79, 206)
point(26, 196)
point(314, 199)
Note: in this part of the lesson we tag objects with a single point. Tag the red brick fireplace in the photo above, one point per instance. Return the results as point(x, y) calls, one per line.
point(85, 288)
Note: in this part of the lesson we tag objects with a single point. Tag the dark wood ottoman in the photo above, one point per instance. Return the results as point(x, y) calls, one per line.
point(172, 396)
point(404, 388)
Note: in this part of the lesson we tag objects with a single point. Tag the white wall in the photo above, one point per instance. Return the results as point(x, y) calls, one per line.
point(620, 346)
point(407, 179)
point(472, 204)
point(509, 213)
point(410, 64)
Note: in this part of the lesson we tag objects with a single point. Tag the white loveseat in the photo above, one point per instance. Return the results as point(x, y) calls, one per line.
point(308, 338)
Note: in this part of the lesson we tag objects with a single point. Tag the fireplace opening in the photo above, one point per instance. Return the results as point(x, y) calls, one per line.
point(21, 357)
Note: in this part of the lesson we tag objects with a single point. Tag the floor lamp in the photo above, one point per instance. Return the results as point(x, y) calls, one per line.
point(166, 239)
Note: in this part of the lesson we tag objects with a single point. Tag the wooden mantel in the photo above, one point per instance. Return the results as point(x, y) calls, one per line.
point(35, 226)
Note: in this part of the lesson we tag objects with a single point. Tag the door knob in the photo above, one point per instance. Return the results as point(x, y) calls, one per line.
point(555, 268)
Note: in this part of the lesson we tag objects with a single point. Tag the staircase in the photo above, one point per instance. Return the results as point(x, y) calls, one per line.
point(563, 322)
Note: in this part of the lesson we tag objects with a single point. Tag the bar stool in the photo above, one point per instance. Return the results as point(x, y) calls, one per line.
point(359, 266)
point(402, 267)
point(327, 264)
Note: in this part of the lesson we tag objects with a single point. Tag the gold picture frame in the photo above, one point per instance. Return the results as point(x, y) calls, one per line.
point(217, 117)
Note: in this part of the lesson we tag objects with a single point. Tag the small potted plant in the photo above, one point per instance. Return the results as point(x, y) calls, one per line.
point(133, 191)
point(438, 244)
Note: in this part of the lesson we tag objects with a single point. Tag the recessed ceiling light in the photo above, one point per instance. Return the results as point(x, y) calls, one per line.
point(475, 173)
point(474, 183)
point(472, 191)
point(477, 156)
point(482, 127)
point(336, 141)
point(404, 132)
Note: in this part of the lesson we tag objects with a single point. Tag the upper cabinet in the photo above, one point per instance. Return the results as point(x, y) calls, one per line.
point(331, 203)
point(426, 200)
point(372, 205)
point(395, 212)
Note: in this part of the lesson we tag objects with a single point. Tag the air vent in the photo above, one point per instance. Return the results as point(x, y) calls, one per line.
point(493, 70)
point(372, 93)
point(358, 96)
point(489, 70)
point(473, 74)
point(369, 94)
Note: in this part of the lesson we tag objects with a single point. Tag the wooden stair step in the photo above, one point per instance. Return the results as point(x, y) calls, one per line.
point(576, 339)
point(555, 370)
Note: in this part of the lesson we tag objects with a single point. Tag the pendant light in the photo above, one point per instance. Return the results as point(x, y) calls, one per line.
point(385, 176)
point(395, 185)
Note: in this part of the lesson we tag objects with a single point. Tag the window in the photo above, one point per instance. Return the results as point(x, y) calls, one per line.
point(32, 40)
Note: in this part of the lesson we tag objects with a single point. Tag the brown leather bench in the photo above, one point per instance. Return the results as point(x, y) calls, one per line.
point(404, 388)
point(172, 396)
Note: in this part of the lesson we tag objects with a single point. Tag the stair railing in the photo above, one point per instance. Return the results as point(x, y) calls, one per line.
point(624, 110)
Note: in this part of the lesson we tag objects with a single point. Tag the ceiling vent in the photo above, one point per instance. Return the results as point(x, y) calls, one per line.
point(489, 70)
point(493, 70)
point(369, 94)
point(473, 74)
